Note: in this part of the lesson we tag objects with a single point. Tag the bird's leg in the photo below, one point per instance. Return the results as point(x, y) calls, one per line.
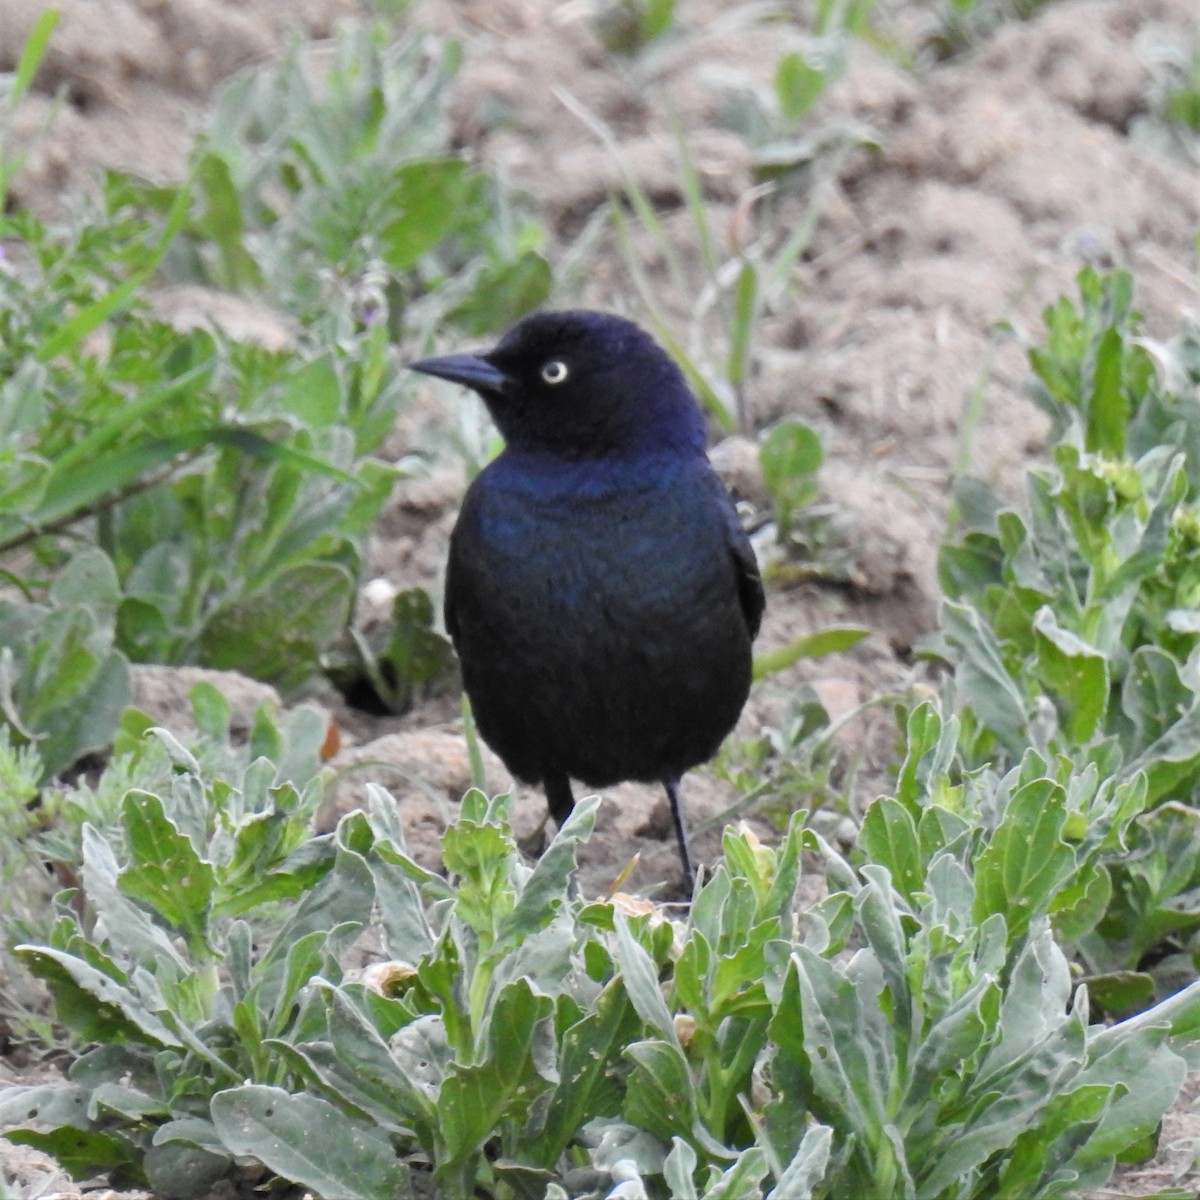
point(559, 799)
point(685, 857)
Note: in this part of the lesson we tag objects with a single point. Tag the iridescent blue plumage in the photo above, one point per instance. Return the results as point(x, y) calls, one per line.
point(600, 592)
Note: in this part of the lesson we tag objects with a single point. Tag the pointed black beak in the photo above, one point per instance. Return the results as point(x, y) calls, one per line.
point(472, 370)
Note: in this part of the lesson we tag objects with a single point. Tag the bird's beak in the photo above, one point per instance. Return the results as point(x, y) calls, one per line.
point(470, 369)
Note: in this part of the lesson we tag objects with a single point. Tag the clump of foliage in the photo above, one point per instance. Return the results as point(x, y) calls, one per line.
point(914, 1033)
point(326, 180)
point(955, 26)
point(628, 26)
point(1073, 626)
point(172, 496)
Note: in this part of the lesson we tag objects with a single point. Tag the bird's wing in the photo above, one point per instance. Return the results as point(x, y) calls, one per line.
point(749, 580)
point(457, 563)
point(449, 610)
point(751, 598)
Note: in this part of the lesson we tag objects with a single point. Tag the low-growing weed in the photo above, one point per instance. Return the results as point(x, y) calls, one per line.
point(628, 26)
point(956, 26)
point(231, 487)
point(914, 1033)
point(325, 179)
point(1073, 625)
point(1171, 122)
point(216, 478)
point(1088, 600)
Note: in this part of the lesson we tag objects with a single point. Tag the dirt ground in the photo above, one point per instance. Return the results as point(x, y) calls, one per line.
point(990, 181)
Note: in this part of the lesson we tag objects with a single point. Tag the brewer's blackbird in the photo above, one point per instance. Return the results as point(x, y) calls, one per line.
point(600, 591)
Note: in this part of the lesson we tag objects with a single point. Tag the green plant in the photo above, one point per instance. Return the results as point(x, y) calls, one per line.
point(1072, 627)
point(1171, 120)
point(390, 671)
point(220, 478)
point(20, 774)
point(790, 455)
point(1087, 599)
point(785, 766)
point(914, 1033)
point(324, 178)
point(802, 76)
point(232, 487)
point(13, 87)
point(44, 822)
point(628, 26)
point(166, 881)
point(958, 25)
point(62, 682)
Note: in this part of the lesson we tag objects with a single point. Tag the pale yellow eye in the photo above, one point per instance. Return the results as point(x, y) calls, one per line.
point(555, 371)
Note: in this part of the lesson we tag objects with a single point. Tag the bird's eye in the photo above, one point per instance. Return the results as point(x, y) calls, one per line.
point(555, 371)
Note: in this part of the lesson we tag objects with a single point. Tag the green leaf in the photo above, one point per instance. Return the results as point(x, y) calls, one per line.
point(308, 1141)
point(32, 54)
point(1107, 414)
point(889, 837)
point(741, 1180)
point(986, 684)
point(75, 327)
point(1171, 760)
point(847, 1049)
point(416, 653)
point(1074, 671)
point(342, 898)
point(183, 1170)
point(503, 292)
point(517, 1070)
point(74, 492)
point(1026, 861)
point(96, 1006)
point(1064, 1125)
point(212, 711)
point(357, 1067)
point(407, 935)
point(745, 314)
point(1121, 992)
point(278, 633)
point(833, 640)
point(1144, 1076)
point(425, 196)
point(641, 981)
point(547, 888)
point(87, 723)
point(678, 1170)
point(659, 1094)
point(807, 1168)
point(47, 1105)
point(83, 1153)
point(790, 455)
point(657, 16)
point(587, 1085)
point(314, 392)
point(129, 927)
point(223, 223)
point(165, 871)
point(797, 85)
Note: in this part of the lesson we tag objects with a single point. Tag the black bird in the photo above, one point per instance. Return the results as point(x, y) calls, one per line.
point(600, 592)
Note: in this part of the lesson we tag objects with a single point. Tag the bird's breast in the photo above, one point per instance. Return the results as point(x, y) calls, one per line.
point(608, 547)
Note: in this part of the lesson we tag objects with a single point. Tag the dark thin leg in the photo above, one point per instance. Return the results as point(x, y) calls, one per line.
point(685, 857)
point(559, 799)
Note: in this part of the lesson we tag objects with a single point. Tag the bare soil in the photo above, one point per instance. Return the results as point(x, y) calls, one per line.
point(992, 179)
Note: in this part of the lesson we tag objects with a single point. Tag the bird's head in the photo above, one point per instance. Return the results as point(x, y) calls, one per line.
point(580, 384)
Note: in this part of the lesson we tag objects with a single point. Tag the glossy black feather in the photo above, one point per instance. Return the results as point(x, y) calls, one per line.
point(600, 591)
